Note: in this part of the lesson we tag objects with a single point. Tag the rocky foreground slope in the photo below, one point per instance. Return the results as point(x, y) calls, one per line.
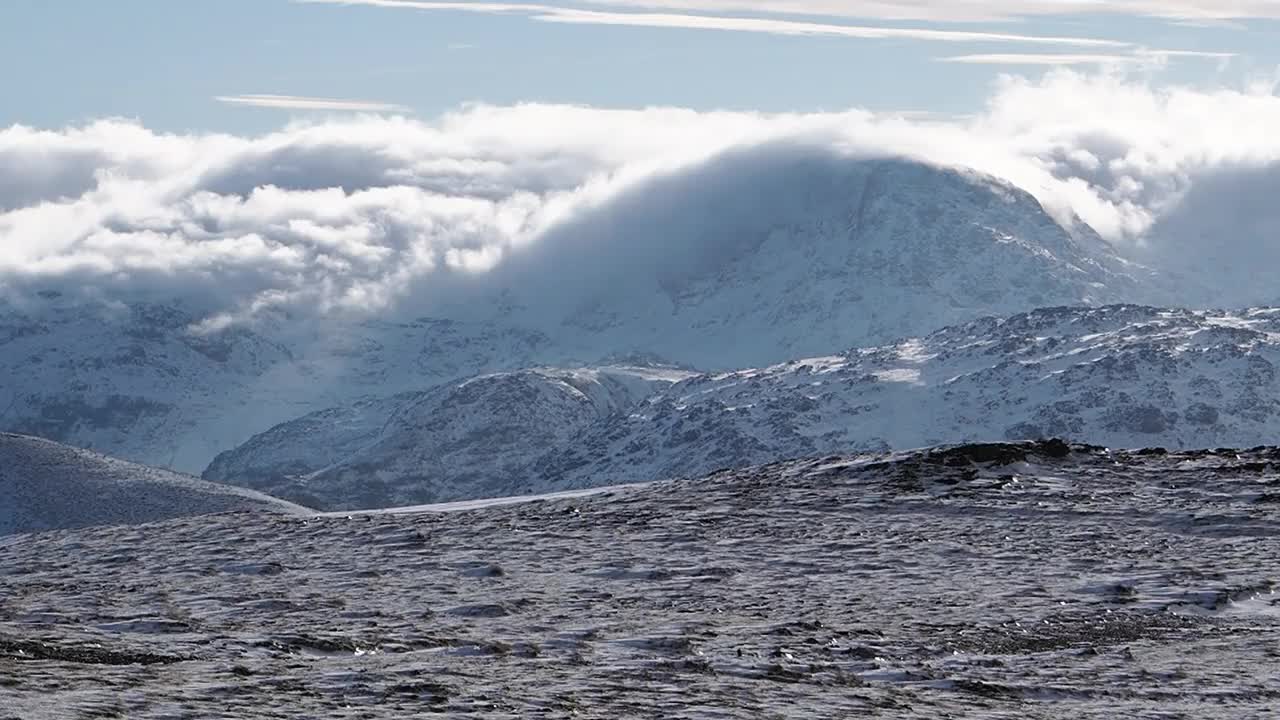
point(1119, 376)
point(47, 486)
point(1006, 581)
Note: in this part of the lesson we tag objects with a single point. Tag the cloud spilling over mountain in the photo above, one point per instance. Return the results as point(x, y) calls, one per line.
point(359, 214)
point(782, 251)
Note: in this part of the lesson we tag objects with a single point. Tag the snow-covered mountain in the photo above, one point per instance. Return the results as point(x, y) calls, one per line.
point(798, 253)
point(1117, 376)
point(765, 257)
point(460, 440)
point(47, 486)
point(1120, 376)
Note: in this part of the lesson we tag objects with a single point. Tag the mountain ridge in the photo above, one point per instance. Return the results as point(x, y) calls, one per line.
point(1118, 375)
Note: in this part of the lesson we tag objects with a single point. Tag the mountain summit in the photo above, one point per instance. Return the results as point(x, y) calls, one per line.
point(764, 256)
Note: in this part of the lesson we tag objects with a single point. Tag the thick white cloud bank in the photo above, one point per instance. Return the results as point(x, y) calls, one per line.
point(355, 213)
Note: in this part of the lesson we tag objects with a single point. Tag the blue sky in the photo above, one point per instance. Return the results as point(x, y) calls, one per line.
point(167, 63)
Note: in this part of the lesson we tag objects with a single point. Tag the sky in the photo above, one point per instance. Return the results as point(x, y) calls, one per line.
point(341, 156)
point(247, 66)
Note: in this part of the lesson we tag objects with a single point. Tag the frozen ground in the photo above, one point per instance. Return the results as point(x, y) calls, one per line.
point(980, 582)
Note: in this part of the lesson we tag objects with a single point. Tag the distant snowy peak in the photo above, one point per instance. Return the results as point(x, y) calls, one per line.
point(794, 257)
point(48, 486)
point(1119, 376)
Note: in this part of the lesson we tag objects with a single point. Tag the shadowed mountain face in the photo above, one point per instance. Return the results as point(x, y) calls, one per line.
point(782, 252)
point(790, 253)
point(1121, 376)
point(1029, 580)
point(47, 486)
point(476, 438)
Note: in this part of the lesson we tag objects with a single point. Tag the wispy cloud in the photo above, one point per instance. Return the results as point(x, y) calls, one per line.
point(1196, 11)
point(1137, 57)
point(295, 102)
point(1044, 59)
point(1190, 54)
point(768, 25)
point(789, 27)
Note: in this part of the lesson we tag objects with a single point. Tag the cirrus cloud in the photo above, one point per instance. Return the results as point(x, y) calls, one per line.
point(296, 102)
point(974, 10)
point(1152, 58)
point(765, 25)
